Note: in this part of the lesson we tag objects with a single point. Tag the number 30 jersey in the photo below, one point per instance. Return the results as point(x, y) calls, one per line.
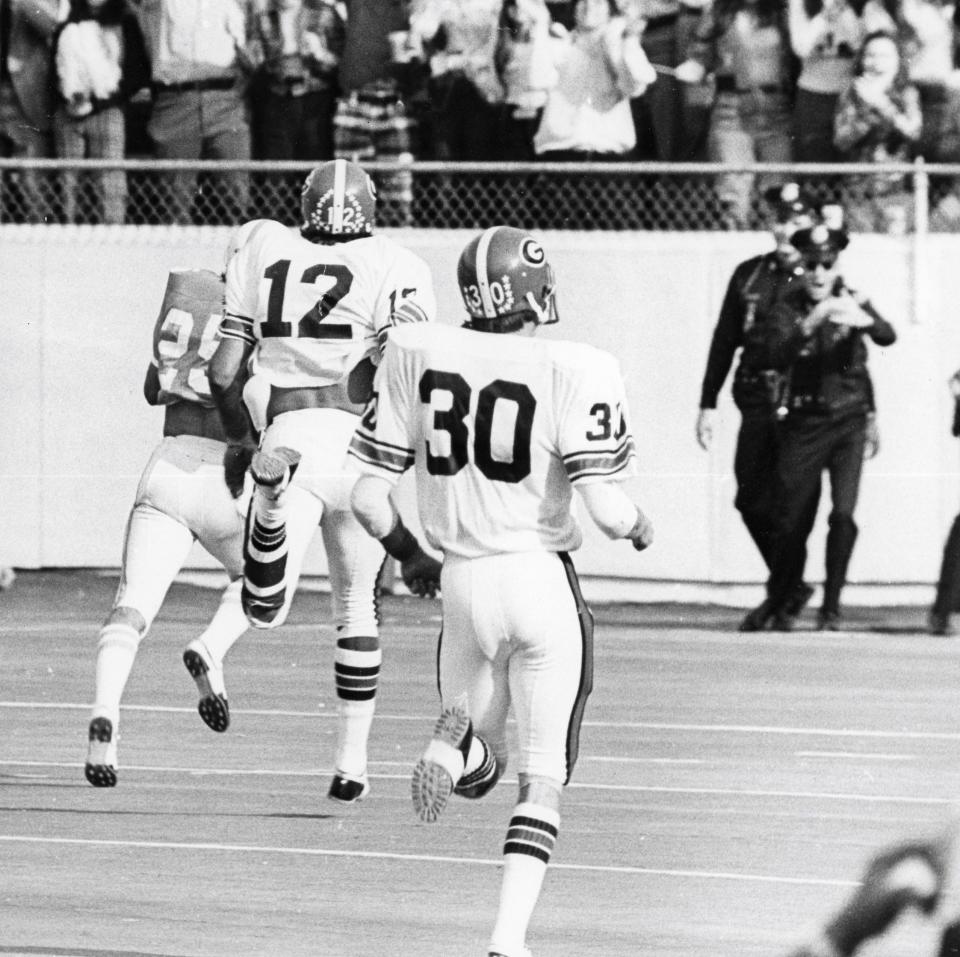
point(500, 427)
point(185, 335)
point(316, 310)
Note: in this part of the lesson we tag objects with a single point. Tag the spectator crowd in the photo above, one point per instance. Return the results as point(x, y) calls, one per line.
point(730, 81)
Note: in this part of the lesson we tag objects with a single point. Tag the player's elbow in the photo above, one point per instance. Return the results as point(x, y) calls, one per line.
point(222, 379)
point(370, 502)
point(610, 507)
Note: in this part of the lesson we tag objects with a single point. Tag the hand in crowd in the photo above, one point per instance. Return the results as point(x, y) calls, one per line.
point(690, 71)
point(873, 94)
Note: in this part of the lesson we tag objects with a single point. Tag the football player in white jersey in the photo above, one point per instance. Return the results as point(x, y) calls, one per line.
point(500, 428)
point(306, 319)
point(181, 499)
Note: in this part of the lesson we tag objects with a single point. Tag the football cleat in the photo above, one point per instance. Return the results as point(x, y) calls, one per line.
point(213, 707)
point(526, 952)
point(274, 470)
point(347, 788)
point(101, 767)
point(441, 766)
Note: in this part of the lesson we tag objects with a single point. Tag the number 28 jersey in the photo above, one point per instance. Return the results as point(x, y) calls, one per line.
point(185, 335)
point(500, 428)
point(316, 310)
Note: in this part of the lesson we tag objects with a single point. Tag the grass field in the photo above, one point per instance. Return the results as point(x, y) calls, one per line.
point(730, 788)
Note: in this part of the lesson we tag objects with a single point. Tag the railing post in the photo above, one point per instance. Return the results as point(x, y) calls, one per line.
point(921, 229)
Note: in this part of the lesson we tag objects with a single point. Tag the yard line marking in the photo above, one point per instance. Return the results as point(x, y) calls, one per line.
point(573, 786)
point(876, 755)
point(629, 725)
point(421, 858)
point(620, 760)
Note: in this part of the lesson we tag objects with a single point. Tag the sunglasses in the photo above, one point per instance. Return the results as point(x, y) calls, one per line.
point(827, 261)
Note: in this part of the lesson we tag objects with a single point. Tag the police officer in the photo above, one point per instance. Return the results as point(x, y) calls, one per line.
point(754, 288)
point(817, 336)
point(948, 584)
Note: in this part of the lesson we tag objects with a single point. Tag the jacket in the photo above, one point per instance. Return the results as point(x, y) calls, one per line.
point(827, 370)
point(754, 289)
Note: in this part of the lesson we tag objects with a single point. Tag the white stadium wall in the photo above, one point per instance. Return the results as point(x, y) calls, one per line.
point(79, 305)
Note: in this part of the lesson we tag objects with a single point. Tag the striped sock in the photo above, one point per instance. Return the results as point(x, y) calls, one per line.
point(356, 675)
point(481, 771)
point(531, 838)
point(265, 563)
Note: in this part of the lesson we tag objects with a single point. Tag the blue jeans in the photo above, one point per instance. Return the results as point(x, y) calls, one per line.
point(747, 128)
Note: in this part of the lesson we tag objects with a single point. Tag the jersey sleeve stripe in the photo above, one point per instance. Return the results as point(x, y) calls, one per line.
point(237, 327)
point(579, 465)
point(408, 312)
point(390, 458)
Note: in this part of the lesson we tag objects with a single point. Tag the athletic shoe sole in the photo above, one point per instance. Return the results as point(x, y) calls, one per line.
point(213, 707)
point(100, 769)
point(432, 783)
point(273, 470)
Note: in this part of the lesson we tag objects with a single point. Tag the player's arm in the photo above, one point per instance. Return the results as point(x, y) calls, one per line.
point(381, 451)
point(375, 511)
point(151, 385)
point(407, 296)
point(227, 376)
point(597, 447)
point(615, 514)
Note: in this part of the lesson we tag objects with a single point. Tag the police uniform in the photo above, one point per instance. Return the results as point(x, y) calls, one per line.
point(828, 395)
point(947, 600)
point(754, 288)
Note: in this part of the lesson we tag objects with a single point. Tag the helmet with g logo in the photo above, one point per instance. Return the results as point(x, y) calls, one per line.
point(338, 201)
point(505, 279)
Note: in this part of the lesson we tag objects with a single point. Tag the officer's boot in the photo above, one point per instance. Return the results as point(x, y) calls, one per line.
point(948, 586)
point(840, 542)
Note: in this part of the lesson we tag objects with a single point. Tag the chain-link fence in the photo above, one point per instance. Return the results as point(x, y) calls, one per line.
point(621, 196)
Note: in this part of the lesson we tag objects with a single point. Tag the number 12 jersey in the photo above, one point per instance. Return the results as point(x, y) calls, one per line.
point(315, 309)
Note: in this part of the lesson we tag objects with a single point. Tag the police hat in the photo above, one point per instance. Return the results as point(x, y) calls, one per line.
point(820, 242)
point(787, 201)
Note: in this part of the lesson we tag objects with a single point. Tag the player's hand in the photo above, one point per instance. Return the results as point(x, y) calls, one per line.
point(236, 461)
point(421, 574)
point(705, 428)
point(642, 532)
